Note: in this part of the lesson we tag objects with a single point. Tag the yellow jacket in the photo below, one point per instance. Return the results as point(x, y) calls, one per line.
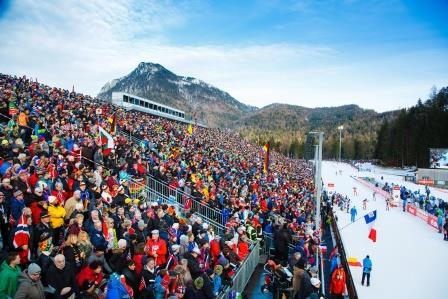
point(57, 214)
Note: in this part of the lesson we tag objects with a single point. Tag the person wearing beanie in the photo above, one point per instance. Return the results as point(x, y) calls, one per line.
point(30, 284)
point(57, 215)
point(217, 281)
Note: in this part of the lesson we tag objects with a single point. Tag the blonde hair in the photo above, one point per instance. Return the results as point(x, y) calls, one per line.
point(69, 242)
point(81, 235)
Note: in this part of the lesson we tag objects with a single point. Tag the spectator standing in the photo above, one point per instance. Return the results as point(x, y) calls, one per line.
point(30, 285)
point(9, 275)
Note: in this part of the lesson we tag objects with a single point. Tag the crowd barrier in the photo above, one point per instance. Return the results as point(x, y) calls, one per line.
point(151, 195)
point(244, 272)
point(187, 200)
point(431, 220)
point(378, 190)
point(351, 289)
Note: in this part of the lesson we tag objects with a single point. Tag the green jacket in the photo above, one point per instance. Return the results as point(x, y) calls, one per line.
point(8, 280)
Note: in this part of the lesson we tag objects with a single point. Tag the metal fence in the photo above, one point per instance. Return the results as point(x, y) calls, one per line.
point(243, 274)
point(171, 198)
point(190, 202)
point(351, 289)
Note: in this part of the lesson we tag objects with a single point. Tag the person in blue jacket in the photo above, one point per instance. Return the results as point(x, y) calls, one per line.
point(353, 212)
point(366, 269)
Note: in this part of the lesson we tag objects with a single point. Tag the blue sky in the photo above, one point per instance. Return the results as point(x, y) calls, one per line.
point(378, 54)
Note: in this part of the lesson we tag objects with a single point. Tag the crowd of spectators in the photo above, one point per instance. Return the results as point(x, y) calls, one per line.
point(71, 227)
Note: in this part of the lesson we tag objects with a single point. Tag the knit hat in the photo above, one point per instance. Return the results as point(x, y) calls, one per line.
point(315, 281)
point(141, 223)
point(199, 283)
point(33, 269)
point(314, 269)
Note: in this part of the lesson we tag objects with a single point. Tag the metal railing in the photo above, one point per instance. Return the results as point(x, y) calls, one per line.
point(162, 187)
point(351, 289)
point(178, 202)
point(244, 272)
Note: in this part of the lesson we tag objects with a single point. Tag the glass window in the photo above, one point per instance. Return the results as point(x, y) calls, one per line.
point(151, 106)
point(146, 104)
point(125, 99)
point(142, 103)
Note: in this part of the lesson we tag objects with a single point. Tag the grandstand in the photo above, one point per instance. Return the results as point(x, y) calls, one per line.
point(158, 171)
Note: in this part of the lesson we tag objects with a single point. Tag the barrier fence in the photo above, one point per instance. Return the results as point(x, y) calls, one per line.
point(351, 289)
point(151, 195)
point(244, 272)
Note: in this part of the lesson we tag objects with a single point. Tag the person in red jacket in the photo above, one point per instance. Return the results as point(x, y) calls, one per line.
point(243, 247)
point(337, 283)
point(215, 249)
point(92, 272)
point(156, 248)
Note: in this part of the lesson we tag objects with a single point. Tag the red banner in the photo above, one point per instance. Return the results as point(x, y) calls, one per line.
point(412, 209)
point(432, 220)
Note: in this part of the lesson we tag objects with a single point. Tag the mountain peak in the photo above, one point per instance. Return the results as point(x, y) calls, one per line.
point(200, 100)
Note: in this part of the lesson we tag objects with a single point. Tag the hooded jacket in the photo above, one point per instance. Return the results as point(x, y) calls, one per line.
point(28, 288)
point(8, 280)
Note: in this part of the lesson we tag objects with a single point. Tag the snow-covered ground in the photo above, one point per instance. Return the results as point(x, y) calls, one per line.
point(409, 258)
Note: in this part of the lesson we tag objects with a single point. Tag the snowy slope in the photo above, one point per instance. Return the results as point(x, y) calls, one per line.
point(409, 257)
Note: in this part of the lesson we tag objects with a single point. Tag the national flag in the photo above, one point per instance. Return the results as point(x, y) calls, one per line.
point(372, 234)
point(190, 129)
point(370, 217)
point(370, 220)
point(266, 157)
point(107, 142)
point(113, 123)
point(352, 261)
point(22, 238)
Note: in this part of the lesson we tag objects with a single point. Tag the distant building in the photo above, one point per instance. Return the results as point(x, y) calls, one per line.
point(132, 102)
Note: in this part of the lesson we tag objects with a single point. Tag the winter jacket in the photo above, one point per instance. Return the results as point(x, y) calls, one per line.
point(60, 279)
point(88, 274)
point(337, 283)
point(28, 288)
point(297, 279)
point(8, 280)
point(367, 265)
point(159, 247)
point(193, 265)
point(57, 214)
point(97, 239)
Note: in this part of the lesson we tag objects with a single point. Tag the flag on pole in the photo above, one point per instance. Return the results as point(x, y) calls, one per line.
point(370, 221)
point(190, 129)
point(107, 142)
point(372, 234)
point(370, 217)
point(113, 123)
point(266, 158)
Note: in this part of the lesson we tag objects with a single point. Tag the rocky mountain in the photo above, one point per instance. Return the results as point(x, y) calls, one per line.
point(285, 126)
point(198, 99)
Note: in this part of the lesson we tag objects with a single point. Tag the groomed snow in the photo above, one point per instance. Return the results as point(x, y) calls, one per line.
point(409, 258)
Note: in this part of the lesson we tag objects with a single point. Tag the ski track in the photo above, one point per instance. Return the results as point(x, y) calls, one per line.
point(409, 258)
